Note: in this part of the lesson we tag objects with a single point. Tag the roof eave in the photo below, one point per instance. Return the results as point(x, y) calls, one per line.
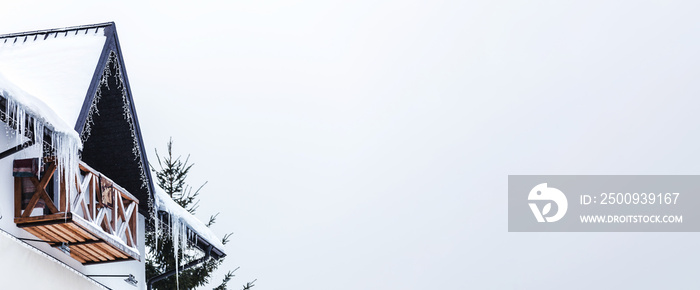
point(53, 30)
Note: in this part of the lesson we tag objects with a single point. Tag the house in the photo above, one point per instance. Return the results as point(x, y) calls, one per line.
point(77, 187)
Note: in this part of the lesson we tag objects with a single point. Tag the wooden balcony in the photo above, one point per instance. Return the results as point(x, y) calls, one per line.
point(96, 218)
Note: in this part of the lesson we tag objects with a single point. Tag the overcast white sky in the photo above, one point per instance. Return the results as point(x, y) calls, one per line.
point(367, 144)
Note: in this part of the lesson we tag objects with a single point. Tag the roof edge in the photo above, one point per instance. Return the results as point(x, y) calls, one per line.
point(63, 29)
point(96, 76)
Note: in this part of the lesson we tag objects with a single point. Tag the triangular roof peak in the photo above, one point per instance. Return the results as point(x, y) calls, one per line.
point(69, 69)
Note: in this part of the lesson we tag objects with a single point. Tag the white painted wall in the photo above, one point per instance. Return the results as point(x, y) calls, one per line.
point(24, 267)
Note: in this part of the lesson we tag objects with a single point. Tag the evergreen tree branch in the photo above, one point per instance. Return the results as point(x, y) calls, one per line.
point(172, 177)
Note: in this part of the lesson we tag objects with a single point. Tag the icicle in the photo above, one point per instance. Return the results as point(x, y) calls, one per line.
point(183, 237)
point(24, 121)
point(184, 227)
point(175, 234)
point(156, 223)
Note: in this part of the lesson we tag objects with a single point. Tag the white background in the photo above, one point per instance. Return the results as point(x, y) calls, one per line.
point(367, 144)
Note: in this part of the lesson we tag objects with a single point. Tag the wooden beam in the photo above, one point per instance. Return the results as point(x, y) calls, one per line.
point(57, 231)
point(48, 173)
point(57, 218)
point(57, 236)
point(39, 234)
point(42, 186)
point(129, 239)
point(107, 225)
point(75, 254)
point(46, 233)
point(111, 250)
point(91, 204)
point(84, 233)
point(89, 249)
point(101, 262)
point(115, 209)
point(90, 253)
point(53, 218)
point(119, 209)
point(49, 202)
point(84, 167)
point(67, 228)
point(73, 237)
point(41, 191)
point(18, 197)
point(88, 258)
point(32, 203)
point(100, 216)
point(78, 185)
point(134, 224)
point(83, 193)
point(65, 203)
point(120, 230)
point(86, 211)
point(78, 199)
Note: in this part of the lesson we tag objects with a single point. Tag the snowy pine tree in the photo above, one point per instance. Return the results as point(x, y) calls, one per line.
point(160, 258)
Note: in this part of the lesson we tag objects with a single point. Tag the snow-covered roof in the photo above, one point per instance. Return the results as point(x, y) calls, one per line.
point(56, 67)
point(35, 108)
point(68, 70)
point(178, 214)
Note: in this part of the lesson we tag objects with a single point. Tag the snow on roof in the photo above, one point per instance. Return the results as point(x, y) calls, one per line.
point(55, 67)
point(163, 202)
point(35, 107)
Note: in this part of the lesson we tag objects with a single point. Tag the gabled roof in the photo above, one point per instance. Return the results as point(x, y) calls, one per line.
point(69, 69)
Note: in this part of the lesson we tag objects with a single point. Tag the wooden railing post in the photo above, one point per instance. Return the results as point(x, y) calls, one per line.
point(91, 189)
point(134, 224)
point(115, 210)
point(65, 198)
point(18, 197)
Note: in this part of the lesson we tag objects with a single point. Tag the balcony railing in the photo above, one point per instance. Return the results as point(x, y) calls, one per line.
point(96, 218)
